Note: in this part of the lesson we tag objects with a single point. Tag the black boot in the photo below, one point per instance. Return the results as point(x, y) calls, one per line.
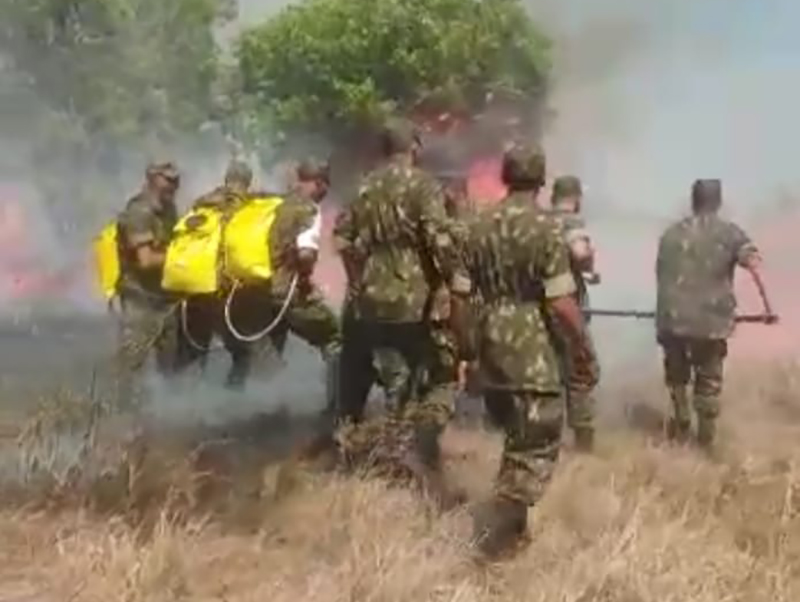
point(500, 527)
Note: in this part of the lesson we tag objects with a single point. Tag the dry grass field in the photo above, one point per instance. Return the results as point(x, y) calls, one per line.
point(165, 517)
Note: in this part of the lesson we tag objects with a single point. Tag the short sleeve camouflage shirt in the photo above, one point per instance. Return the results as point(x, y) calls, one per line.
point(573, 227)
point(397, 245)
point(143, 222)
point(517, 260)
point(695, 267)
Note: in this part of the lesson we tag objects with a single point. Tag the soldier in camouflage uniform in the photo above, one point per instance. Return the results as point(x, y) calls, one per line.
point(566, 207)
point(204, 312)
point(520, 266)
point(294, 243)
point(148, 312)
point(696, 304)
point(397, 248)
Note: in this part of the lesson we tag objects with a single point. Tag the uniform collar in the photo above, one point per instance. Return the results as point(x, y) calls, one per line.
point(521, 198)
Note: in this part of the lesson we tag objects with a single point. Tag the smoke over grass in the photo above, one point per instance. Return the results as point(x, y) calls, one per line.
point(651, 95)
point(647, 97)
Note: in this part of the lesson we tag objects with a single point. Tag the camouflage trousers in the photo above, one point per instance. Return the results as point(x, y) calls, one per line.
point(440, 371)
point(532, 423)
point(145, 327)
point(396, 356)
point(253, 309)
point(698, 361)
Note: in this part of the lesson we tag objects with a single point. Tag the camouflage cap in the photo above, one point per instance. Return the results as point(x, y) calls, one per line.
point(313, 169)
point(567, 186)
point(398, 135)
point(239, 171)
point(165, 169)
point(524, 163)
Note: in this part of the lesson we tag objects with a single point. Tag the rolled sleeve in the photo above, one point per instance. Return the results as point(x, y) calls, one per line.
point(460, 283)
point(747, 253)
point(560, 285)
point(746, 250)
point(554, 265)
point(577, 234)
point(137, 227)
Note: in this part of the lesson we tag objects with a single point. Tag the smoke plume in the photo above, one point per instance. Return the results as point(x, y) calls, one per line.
point(651, 95)
point(648, 95)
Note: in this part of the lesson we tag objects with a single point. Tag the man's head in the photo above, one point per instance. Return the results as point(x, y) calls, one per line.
point(313, 179)
point(706, 196)
point(524, 168)
point(399, 137)
point(163, 180)
point(567, 194)
point(238, 177)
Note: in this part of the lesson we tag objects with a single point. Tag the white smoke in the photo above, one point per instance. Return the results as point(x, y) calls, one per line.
point(652, 94)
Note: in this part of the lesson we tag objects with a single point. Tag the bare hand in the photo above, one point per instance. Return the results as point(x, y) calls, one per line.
point(592, 278)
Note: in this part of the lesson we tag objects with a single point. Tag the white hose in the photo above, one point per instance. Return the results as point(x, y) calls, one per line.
point(185, 327)
point(252, 338)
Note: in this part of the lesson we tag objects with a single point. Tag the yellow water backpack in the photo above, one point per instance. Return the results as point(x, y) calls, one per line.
point(191, 264)
point(206, 245)
point(106, 260)
point(246, 247)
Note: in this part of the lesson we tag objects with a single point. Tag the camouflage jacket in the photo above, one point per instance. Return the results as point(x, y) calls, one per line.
point(143, 222)
point(440, 298)
point(696, 260)
point(397, 245)
point(517, 260)
point(573, 227)
point(221, 198)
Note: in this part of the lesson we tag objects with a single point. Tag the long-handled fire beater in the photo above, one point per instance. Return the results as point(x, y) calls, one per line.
point(650, 315)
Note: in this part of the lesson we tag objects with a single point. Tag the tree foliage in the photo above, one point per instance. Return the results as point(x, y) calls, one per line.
point(340, 64)
point(122, 68)
point(131, 74)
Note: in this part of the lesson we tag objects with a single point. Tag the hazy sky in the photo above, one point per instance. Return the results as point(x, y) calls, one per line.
point(653, 94)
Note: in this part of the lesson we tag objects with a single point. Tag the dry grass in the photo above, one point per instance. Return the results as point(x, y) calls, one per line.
point(640, 521)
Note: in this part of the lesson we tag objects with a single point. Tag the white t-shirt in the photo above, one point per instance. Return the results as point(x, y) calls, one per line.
point(309, 238)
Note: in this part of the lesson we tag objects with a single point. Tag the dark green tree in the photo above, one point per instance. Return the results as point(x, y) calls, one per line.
point(121, 68)
point(341, 65)
point(97, 81)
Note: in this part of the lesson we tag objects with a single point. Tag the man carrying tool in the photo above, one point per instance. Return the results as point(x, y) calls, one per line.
point(521, 269)
point(696, 304)
point(566, 203)
point(148, 312)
